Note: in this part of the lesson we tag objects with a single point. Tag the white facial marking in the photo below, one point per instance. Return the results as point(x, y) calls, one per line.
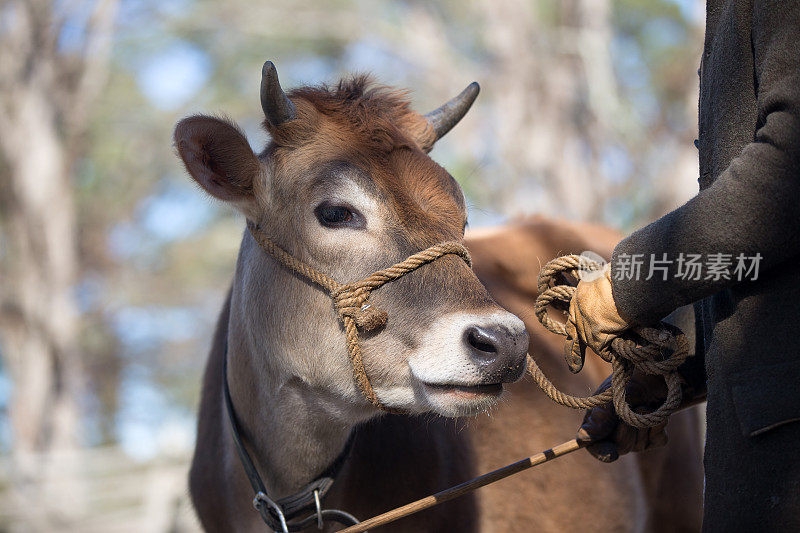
point(443, 359)
point(396, 396)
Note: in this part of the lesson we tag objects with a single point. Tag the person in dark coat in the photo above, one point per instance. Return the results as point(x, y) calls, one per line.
point(734, 251)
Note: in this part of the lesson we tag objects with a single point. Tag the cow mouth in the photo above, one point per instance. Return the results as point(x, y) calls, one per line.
point(466, 391)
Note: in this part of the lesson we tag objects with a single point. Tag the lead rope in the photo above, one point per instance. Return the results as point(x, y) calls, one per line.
point(351, 300)
point(656, 350)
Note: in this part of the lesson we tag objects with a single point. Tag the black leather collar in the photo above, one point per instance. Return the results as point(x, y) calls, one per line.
point(278, 514)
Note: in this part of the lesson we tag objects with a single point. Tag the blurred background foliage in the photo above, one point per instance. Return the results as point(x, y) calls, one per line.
point(587, 111)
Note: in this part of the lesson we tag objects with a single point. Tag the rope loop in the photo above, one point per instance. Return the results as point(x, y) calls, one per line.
point(657, 350)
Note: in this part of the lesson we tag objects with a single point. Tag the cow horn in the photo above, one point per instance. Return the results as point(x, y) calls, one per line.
point(276, 105)
point(442, 119)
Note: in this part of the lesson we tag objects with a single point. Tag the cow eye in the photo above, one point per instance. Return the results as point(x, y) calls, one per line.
point(336, 216)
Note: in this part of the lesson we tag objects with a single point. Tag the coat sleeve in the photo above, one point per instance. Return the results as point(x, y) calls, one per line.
point(753, 207)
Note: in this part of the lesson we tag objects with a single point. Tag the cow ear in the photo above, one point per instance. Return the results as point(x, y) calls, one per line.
point(217, 155)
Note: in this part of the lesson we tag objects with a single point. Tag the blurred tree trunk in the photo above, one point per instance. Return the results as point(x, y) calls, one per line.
point(46, 92)
point(556, 97)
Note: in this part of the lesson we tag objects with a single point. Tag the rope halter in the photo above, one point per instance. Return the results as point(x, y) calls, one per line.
point(351, 300)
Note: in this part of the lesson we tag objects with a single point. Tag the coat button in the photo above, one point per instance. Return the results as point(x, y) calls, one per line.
point(697, 143)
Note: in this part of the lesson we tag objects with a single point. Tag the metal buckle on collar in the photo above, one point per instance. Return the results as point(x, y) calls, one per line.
point(261, 498)
point(319, 509)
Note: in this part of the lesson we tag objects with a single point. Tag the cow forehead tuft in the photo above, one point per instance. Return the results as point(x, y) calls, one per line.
point(372, 128)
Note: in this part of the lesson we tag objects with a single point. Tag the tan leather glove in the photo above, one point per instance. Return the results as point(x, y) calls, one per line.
point(593, 320)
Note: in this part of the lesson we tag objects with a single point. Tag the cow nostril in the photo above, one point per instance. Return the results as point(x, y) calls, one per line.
point(481, 340)
point(498, 348)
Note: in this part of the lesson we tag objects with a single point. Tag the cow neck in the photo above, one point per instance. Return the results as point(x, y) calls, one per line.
point(278, 514)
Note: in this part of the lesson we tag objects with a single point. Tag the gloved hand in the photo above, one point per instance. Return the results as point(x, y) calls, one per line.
point(593, 320)
point(611, 436)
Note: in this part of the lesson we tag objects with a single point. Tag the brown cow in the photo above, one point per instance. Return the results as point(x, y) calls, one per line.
point(345, 185)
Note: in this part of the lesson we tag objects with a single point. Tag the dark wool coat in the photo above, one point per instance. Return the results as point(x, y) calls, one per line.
point(749, 203)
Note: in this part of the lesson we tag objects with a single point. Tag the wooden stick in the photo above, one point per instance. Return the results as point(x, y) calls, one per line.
point(459, 490)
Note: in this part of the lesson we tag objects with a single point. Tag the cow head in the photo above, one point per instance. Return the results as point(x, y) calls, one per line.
point(345, 185)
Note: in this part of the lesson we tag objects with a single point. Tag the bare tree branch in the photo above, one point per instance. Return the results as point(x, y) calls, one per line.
point(93, 66)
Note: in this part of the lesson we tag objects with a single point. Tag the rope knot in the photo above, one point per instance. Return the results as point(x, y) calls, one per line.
point(370, 317)
point(351, 300)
